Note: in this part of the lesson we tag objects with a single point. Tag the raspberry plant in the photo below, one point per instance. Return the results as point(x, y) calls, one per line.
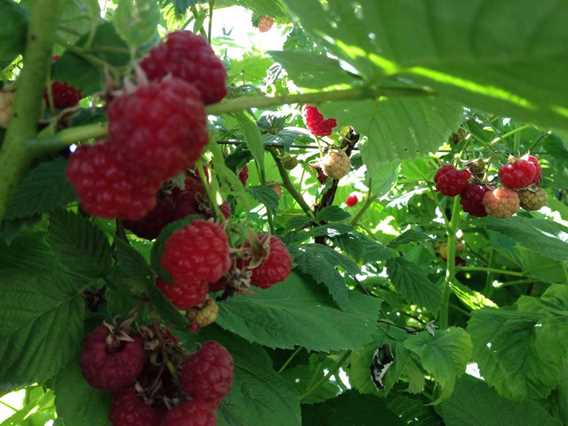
point(365, 225)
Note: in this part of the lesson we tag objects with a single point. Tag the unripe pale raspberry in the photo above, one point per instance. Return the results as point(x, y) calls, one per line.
point(501, 202)
point(190, 413)
point(352, 200)
point(160, 128)
point(6, 105)
point(208, 374)
point(109, 363)
point(265, 23)
point(518, 174)
point(64, 95)
point(190, 58)
point(275, 267)
point(197, 252)
point(128, 409)
point(185, 293)
point(204, 315)
point(472, 200)
point(533, 199)
point(315, 122)
point(336, 164)
point(450, 181)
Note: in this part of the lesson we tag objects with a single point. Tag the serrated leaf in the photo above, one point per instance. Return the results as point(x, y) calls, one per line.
point(253, 138)
point(413, 283)
point(413, 411)
point(444, 355)
point(43, 189)
point(131, 270)
point(363, 248)
point(81, 247)
point(383, 176)
point(266, 195)
point(136, 21)
point(332, 214)
point(471, 298)
point(410, 236)
point(78, 18)
point(289, 314)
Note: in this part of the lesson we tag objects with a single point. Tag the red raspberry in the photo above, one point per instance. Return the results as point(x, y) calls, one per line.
point(198, 252)
point(244, 175)
point(535, 161)
point(265, 23)
point(208, 374)
point(450, 181)
point(276, 266)
point(352, 200)
point(161, 128)
point(64, 95)
point(110, 363)
point(150, 226)
point(518, 174)
point(189, 57)
point(128, 409)
point(190, 200)
point(184, 294)
point(472, 200)
point(501, 202)
point(226, 210)
point(315, 122)
point(190, 413)
point(104, 188)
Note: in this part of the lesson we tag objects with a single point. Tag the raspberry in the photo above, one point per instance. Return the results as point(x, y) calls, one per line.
point(208, 374)
point(198, 252)
point(184, 294)
point(150, 226)
point(315, 122)
point(289, 162)
point(128, 409)
point(352, 200)
point(244, 175)
point(276, 266)
point(160, 128)
point(188, 57)
point(336, 164)
point(105, 189)
point(226, 210)
point(518, 174)
point(534, 160)
point(6, 102)
point(190, 200)
point(109, 362)
point(472, 200)
point(265, 23)
point(501, 202)
point(204, 315)
point(532, 199)
point(190, 413)
point(64, 95)
point(450, 181)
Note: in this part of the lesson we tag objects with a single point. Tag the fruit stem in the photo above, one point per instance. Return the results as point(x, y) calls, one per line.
point(53, 143)
point(326, 377)
point(368, 202)
point(451, 229)
point(216, 210)
point(490, 270)
point(14, 158)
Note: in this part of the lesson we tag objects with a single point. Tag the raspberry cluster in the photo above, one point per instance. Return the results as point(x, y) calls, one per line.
point(315, 122)
point(144, 393)
point(156, 130)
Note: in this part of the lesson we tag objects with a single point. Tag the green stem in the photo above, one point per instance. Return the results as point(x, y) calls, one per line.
point(65, 138)
point(5, 404)
point(451, 229)
point(494, 270)
point(516, 282)
point(368, 202)
point(289, 360)
point(216, 210)
point(511, 133)
point(488, 289)
point(210, 23)
point(330, 373)
point(14, 158)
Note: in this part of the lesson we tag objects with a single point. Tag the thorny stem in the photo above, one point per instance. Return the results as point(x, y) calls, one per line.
point(451, 229)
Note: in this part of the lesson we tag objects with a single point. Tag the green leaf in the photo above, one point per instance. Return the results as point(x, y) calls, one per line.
point(474, 403)
point(363, 248)
point(131, 270)
point(274, 8)
point(81, 247)
point(413, 411)
point(78, 17)
point(295, 312)
point(444, 355)
point(266, 195)
point(471, 298)
point(383, 176)
point(12, 32)
point(77, 403)
point(350, 408)
point(136, 21)
point(43, 189)
point(253, 138)
point(332, 214)
point(413, 283)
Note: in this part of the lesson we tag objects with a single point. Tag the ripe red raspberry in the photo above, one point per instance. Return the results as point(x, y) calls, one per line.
point(265, 23)
point(276, 266)
point(109, 362)
point(518, 174)
point(450, 181)
point(352, 200)
point(189, 200)
point(208, 374)
point(188, 57)
point(150, 226)
point(105, 189)
point(184, 294)
point(244, 175)
point(160, 128)
point(64, 95)
point(534, 160)
point(532, 199)
point(501, 202)
point(190, 413)
point(315, 122)
point(472, 200)
point(128, 409)
point(197, 252)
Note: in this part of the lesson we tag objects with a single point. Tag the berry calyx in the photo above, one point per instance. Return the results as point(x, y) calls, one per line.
point(501, 202)
point(198, 252)
point(185, 293)
point(518, 174)
point(472, 200)
point(128, 409)
point(109, 361)
point(352, 200)
point(188, 57)
point(315, 122)
point(190, 413)
point(208, 374)
point(275, 267)
point(533, 199)
point(64, 95)
point(336, 164)
point(450, 181)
